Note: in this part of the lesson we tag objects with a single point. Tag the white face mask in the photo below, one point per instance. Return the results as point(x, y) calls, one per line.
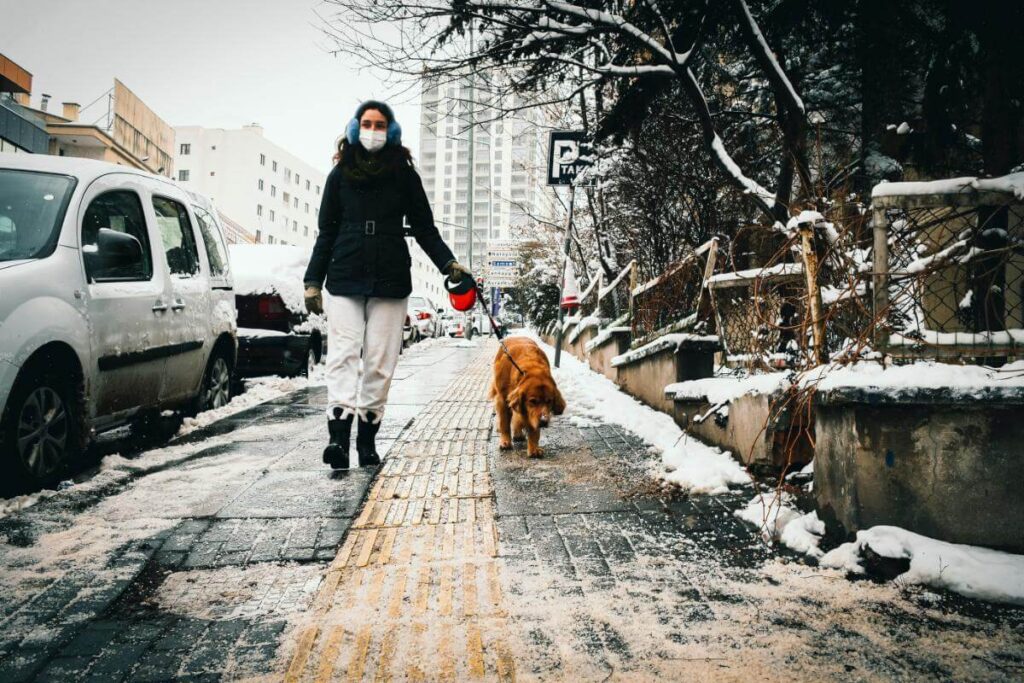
point(372, 140)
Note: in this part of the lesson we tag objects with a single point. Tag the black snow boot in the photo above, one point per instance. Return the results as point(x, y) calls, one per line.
point(340, 429)
point(365, 445)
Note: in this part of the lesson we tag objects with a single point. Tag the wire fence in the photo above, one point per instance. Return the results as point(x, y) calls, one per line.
point(952, 286)
point(675, 300)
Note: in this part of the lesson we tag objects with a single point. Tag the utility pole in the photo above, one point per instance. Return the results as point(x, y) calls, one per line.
point(559, 334)
point(472, 158)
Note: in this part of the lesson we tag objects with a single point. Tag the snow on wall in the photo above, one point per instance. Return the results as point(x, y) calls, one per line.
point(726, 389)
point(1010, 184)
point(959, 380)
point(667, 341)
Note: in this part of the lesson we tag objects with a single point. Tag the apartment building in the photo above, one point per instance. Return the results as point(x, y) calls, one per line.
point(507, 180)
point(259, 185)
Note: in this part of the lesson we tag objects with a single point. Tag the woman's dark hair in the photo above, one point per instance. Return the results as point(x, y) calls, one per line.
point(394, 156)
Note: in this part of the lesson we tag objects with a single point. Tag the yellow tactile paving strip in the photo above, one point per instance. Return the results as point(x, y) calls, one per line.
point(415, 591)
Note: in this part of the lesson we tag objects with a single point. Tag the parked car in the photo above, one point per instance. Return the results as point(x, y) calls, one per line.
point(116, 304)
point(469, 325)
point(423, 317)
point(276, 335)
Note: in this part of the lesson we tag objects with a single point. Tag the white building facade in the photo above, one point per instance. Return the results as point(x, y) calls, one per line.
point(267, 190)
point(507, 179)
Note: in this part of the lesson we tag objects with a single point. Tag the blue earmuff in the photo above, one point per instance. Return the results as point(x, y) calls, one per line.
point(394, 130)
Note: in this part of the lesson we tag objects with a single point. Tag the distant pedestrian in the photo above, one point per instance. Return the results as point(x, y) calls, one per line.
point(362, 252)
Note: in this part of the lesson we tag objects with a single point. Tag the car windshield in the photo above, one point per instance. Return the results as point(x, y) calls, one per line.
point(417, 302)
point(32, 207)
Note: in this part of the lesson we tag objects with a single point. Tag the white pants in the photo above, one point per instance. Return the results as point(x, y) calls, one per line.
point(371, 326)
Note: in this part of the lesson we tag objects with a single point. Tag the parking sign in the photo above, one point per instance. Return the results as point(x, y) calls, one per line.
point(568, 154)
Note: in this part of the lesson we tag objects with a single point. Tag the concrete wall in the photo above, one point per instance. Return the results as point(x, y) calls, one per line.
point(647, 377)
point(600, 357)
point(950, 470)
point(757, 435)
point(579, 345)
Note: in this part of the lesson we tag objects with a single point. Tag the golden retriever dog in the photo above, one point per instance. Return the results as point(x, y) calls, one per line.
point(524, 401)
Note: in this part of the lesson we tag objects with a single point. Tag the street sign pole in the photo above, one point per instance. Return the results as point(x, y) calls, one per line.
point(559, 334)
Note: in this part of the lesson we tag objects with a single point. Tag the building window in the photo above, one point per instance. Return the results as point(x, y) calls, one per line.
point(259, 236)
point(295, 202)
point(263, 160)
point(307, 207)
point(213, 173)
point(296, 178)
point(259, 209)
point(273, 190)
point(273, 166)
point(185, 149)
point(305, 230)
point(271, 215)
point(213, 148)
point(307, 184)
point(287, 174)
point(285, 197)
point(295, 226)
point(260, 184)
point(183, 175)
point(270, 239)
point(317, 190)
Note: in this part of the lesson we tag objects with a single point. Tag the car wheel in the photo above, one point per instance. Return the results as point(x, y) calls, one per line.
point(469, 333)
point(42, 426)
point(216, 389)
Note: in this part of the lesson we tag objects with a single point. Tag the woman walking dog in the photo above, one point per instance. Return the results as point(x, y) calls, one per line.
point(362, 252)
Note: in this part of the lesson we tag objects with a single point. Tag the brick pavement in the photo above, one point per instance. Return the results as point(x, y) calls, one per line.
point(470, 564)
point(463, 563)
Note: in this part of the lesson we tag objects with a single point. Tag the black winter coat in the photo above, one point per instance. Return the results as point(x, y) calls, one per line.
point(361, 248)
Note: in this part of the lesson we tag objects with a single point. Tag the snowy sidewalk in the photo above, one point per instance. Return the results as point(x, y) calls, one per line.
point(583, 566)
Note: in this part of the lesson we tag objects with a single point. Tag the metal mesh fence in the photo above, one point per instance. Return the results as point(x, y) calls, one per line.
point(669, 300)
point(760, 318)
point(955, 278)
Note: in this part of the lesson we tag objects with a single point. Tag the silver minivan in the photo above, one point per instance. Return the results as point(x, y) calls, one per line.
point(116, 303)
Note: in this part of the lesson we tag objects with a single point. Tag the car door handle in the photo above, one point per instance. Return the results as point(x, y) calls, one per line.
point(159, 306)
point(177, 305)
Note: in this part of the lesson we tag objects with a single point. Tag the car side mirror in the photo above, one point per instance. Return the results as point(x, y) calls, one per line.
point(113, 250)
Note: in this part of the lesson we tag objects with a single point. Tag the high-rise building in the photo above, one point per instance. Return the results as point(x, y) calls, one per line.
point(506, 181)
point(260, 186)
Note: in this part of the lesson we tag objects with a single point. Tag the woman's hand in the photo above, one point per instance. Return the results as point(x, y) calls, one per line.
point(314, 300)
point(456, 271)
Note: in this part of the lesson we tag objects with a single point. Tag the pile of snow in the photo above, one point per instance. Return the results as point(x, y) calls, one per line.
point(772, 512)
point(968, 570)
point(270, 269)
point(685, 461)
point(257, 390)
point(727, 389)
point(897, 380)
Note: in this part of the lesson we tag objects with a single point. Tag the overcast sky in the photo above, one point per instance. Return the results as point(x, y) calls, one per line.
point(213, 63)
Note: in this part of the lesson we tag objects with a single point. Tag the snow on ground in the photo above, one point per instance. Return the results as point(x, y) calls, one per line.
point(257, 390)
point(968, 570)
point(773, 513)
point(692, 465)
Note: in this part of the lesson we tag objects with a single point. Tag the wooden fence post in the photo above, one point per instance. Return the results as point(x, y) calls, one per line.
point(813, 290)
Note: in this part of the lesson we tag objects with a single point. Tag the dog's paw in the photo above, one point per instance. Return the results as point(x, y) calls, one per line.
point(536, 453)
point(505, 444)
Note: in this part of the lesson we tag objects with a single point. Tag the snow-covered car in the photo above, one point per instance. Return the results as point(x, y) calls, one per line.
point(423, 318)
point(116, 304)
point(276, 335)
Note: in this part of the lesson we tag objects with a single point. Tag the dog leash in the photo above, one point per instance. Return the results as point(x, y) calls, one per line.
point(495, 326)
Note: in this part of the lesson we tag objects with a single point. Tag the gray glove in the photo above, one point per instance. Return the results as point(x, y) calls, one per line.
point(456, 271)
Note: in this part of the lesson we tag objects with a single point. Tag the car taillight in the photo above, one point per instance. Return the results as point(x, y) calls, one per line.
point(423, 315)
point(272, 307)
